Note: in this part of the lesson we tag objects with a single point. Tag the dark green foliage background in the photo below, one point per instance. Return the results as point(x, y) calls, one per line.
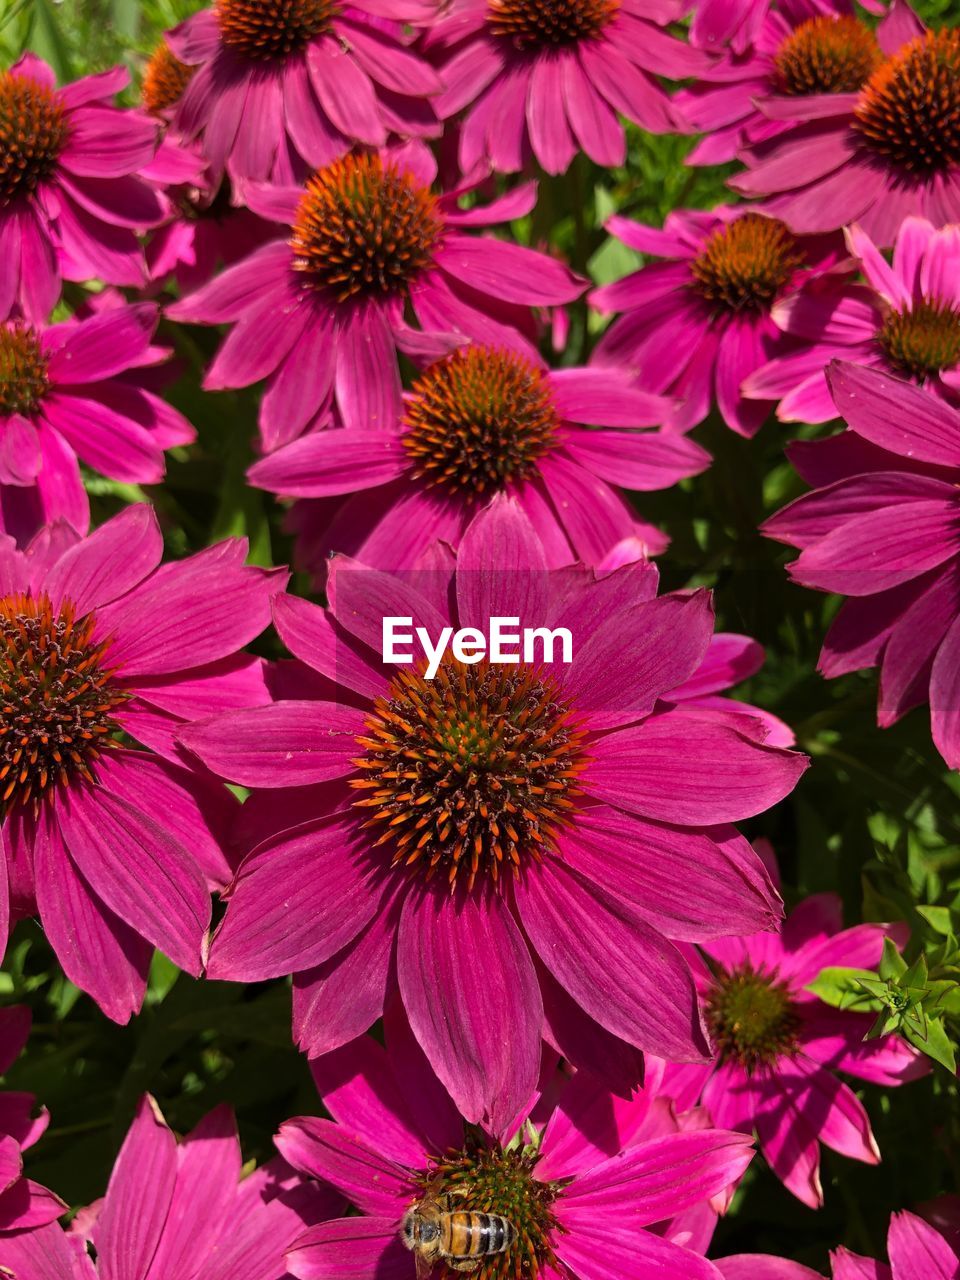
point(876, 817)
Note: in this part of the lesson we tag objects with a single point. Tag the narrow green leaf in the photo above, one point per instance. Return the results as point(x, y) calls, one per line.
point(46, 41)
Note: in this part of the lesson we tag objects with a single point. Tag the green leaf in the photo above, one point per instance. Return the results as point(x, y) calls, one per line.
point(46, 40)
point(844, 988)
point(892, 963)
point(935, 1043)
point(938, 918)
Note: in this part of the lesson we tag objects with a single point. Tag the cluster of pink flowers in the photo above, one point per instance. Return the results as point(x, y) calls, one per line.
point(531, 876)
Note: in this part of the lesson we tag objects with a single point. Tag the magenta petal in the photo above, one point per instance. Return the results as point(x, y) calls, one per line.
point(110, 562)
point(918, 1251)
point(552, 141)
point(208, 1170)
point(139, 870)
point(345, 92)
point(297, 900)
point(594, 123)
point(896, 415)
point(611, 1249)
point(190, 612)
point(586, 1045)
point(351, 1249)
point(625, 664)
point(361, 1091)
point(945, 697)
point(882, 549)
point(455, 961)
point(501, 571)
point(104, 438)
point(661, 1177)
point(681, 882)
point(11, 1162)
point(508, 271)
point(97, 950)
point(309, 634)
point(329, 463)
point(324, 1150)
point(367, 378)
point(680, 769)
point(138, 1197)
point(764, 1266)
point(235, 290)
point(344, 996)
point(44, 1254)
point(104, 345)
point(624, 973)
point(287, 744)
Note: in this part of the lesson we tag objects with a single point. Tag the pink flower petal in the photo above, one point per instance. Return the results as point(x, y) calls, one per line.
point(681, 770)
point(620, 970)
point(297, 900)
point(457, 959)
point(288, 744)
point(138, 1197)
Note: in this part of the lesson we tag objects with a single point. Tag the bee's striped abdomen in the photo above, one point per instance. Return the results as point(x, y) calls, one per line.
point(475, 1235)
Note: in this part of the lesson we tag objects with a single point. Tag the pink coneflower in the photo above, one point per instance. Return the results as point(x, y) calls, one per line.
point(112, 847)
point(905, 319)
point(876, 156)
point(179, 1209)
point(280, 88)
point(916, 1250)
point(71, 202)
point(320, 310)
point(805, 49)
point(552, 80)
point(883, 527)
point(778, 1045)
point(591, 1180)
point(483, 421)
point(696, 324)
point(24, 1205)
point(73, 393)
point(565, 806)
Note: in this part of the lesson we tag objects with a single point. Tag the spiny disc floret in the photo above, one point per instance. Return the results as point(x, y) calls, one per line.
point(271, 30)
point(23, 370)
point(468, 774)
point(479, 420)
point(486, 1178)
point(549, 24)
point(164, 79)
point(745, 264)
point(827, 55)
point(33, 132)
point(752, 1018)
point(923, 340)
point(908, 113)
point(364, 229)
point(58, 698)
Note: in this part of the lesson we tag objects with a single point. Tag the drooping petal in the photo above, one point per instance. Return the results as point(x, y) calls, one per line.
point(455, 961)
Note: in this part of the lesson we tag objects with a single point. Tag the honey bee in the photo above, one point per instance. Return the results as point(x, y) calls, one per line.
point(461, 1238)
